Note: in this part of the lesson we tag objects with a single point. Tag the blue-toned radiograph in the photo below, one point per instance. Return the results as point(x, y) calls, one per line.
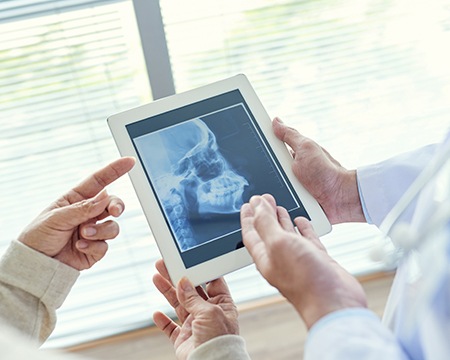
point(191, 177)
point(209, 182)
point(203, 161)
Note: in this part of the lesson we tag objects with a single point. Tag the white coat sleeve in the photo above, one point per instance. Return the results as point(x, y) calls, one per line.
point(352, 334)
point(382, 185)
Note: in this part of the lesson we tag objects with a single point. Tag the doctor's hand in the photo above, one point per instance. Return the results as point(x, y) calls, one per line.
point(70, 229)
point(203, 315)
point(333, 186)
point(297, 264)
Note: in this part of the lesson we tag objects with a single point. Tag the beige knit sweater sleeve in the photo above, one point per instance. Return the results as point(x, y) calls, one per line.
point(32, 287)
point(225, 347)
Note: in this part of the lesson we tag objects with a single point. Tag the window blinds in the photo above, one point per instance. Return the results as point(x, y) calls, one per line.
point(360, 77)
point(61, 74)
point(12, 10)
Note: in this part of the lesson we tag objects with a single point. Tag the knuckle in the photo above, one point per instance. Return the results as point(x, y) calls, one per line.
point(215, 312)
point(307, 144)
point(278, 243)
point(84, 205)
point(102, 182)
point(281, 244)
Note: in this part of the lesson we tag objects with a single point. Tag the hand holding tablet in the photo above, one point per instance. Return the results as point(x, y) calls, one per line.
point(201, 155)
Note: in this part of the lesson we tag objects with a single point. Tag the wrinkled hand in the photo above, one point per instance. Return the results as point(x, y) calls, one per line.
point(333, 186)
point(70, 230)
point(297, 264)
point(204, 315)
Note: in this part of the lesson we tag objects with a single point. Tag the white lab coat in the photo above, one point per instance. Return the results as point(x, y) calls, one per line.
point(416, 324)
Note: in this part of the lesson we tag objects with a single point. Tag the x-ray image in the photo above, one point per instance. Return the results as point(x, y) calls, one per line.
point(196, 185)
point(204, 161)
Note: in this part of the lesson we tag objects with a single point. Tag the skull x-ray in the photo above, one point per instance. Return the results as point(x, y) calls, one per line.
point(209, 184)
point(193, 179)
point(203, 161)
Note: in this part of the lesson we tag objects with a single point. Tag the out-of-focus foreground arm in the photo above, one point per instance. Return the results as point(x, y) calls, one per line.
point(32, 287)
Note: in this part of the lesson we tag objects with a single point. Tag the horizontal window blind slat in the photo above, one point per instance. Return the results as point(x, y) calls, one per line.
point(13, 10)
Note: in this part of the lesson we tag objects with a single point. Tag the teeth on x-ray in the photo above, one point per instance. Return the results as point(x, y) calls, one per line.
point(209, 179)
point(192, 178)
point(221, 195)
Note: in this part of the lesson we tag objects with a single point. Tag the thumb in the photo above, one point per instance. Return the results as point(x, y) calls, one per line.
point(78, 213)
point(189, 297)
point(287, 134)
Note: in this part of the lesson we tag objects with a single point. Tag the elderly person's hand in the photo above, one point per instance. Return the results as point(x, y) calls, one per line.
point(296, 263)
point(70, 229)
point(204, 314)
point(333, 186)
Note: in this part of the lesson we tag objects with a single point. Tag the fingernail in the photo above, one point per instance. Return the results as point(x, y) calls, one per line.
point(119, 208)
point(255, 201)
point(279, 120)
point(186, 284)
point(82, 244)
point(89, 231)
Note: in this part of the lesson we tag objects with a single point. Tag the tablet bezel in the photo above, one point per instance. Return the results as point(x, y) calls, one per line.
point(233, 260)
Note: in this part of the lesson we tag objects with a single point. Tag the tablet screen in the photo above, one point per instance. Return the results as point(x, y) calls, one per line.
point(203, 161)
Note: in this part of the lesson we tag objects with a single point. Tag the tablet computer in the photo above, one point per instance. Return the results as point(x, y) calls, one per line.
point(200, 156)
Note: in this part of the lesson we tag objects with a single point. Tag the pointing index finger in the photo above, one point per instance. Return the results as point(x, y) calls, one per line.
point(265, 219)
point(96, 182)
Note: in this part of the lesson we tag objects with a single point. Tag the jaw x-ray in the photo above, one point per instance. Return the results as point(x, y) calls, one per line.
point(202, 169)
point(193, 180)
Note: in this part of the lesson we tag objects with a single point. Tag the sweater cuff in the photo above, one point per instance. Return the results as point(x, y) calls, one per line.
point(225, 347)
point(40, 275)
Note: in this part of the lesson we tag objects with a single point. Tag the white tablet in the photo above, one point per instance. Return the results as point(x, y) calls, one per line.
point(201, 155)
